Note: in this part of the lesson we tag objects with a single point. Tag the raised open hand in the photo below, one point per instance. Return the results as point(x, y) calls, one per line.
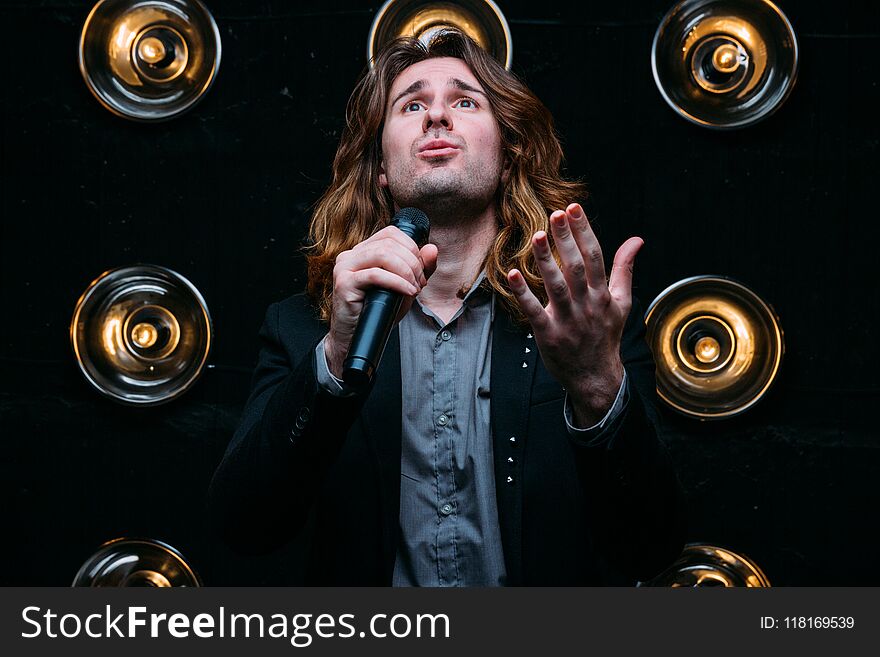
point(578, 332)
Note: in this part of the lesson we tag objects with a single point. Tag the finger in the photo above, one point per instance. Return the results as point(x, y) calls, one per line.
point(391, 256)
point(394, 233)
point(363, 279)
point(588, 245)
point(573, 268)
point(620, 284)
point(399, 261)
point(528, 302)
point(554, 282)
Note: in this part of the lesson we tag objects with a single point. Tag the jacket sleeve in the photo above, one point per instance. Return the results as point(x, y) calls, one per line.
point(290, 433)
point(634, 496)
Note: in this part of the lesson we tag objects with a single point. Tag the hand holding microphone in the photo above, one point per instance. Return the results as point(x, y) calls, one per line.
point(374, 285)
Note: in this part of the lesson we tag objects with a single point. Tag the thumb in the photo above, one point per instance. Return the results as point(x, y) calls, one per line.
point(620, 283)
point(428, 255)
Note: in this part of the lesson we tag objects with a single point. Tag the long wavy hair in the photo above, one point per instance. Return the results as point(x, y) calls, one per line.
point(355, 206)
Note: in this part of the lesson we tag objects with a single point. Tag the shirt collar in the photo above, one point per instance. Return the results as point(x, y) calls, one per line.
point(476, 295)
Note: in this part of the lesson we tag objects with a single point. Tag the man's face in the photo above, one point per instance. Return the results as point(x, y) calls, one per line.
point(441, 146)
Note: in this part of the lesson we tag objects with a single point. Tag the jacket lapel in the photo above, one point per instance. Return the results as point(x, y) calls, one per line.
point(514, 356)
point(381, 414)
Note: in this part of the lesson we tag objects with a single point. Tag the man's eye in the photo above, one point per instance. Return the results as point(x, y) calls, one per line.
point(412, 107)
point(467, 103)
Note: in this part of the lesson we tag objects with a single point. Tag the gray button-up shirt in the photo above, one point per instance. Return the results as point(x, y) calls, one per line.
point(449, 532)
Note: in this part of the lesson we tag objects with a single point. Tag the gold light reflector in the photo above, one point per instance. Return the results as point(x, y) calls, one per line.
point(481, 20)
point(725, 63)
point(149, 60)
point(141, 334)
point(710, 565)
point(125, 562)
point(716, 344)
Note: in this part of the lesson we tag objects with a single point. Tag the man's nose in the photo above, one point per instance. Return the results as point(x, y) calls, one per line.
point(437, 116)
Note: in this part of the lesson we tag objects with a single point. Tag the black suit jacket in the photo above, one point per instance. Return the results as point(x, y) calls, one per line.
point(303, 460)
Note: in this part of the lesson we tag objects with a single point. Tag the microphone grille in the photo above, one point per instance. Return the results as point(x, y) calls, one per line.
point(417, 220)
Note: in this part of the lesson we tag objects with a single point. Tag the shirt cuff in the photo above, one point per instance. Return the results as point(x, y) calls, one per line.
point(597, 429)
point(326, 380)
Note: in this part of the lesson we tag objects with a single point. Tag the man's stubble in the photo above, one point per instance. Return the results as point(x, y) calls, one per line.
point(448, 196)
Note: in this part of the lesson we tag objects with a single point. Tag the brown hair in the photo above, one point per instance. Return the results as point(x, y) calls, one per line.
point(355, 206)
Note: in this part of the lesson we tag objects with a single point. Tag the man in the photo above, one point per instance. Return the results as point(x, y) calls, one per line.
point(509, 436)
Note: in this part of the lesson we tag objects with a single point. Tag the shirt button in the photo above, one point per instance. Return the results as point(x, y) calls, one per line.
point(443, 420)
point(446, 335)
point(446, 509)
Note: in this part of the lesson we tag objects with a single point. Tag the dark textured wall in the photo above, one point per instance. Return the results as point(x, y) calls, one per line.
point(222, 195)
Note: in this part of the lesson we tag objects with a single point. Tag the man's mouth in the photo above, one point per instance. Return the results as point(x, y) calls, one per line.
point(437, 148)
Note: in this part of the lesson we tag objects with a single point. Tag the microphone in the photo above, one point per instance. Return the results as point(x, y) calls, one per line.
point(380, 308)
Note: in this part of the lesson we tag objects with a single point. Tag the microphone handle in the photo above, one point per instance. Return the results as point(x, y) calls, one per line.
point(377, 317)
